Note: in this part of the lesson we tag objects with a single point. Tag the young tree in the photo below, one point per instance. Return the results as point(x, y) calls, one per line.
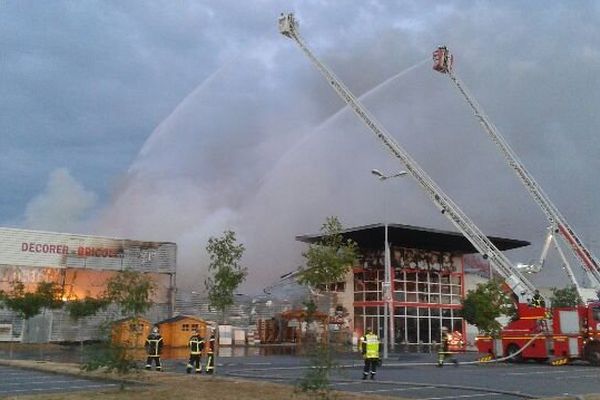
point(226, 272)
point(29, 304)
point(487, 302)
point(131, 290)
point(566, 297)
point(327, 262)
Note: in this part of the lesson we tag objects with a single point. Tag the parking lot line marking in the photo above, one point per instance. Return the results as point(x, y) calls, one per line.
point(44, 381)
point(549, 371)
point(58, 388)
point(461, 396)
point(397, 389)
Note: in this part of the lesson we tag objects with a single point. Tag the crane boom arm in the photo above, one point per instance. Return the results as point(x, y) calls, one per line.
point(443, 63)
point(515, 280)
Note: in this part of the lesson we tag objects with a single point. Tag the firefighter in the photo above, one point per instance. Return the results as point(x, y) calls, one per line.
point(370, 348)
point(537, 300)
point(210, 354)
point(444, 352)
point(154, 345)
point(196, 344)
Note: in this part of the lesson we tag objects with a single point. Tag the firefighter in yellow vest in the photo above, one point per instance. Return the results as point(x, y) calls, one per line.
point(196, 344)
point(210, 354)
point(154, 345)
point(370, 347)
point(445, 352)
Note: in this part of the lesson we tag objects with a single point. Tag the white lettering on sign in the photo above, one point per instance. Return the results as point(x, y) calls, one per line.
point(32, 247)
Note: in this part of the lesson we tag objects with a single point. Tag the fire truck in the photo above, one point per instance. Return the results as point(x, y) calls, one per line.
point(570, 333)
point(561, 334)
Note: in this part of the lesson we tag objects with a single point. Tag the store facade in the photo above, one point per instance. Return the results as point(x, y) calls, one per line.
point(427, 281)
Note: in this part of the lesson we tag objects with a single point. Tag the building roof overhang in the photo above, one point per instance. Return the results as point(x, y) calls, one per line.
point(373, 237)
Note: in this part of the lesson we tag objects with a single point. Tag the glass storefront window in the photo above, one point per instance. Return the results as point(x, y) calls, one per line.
point(433, 290)
point(400, 310)
point(399, 296)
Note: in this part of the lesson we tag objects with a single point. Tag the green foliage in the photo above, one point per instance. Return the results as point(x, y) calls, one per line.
point(487, 302)
point(131, 291)
point(225, 269)
point(30, 304)
point(329, 260)
point(566, 297)
point(78, 309)
point(311, 309)
point(316, 380)
point(111, 357)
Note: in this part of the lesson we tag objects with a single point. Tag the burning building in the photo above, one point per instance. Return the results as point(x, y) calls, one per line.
point(426, 286)
point(80, 265)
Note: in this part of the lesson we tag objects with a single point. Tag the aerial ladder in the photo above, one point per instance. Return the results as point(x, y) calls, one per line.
point(443, 63)
point(515, 280)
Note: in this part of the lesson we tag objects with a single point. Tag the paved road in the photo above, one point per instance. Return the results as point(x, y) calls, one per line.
point(16, 381)
point(416, 377)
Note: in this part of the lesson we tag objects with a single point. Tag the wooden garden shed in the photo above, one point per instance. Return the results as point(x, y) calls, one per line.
point(131, 331)
point(176, 331)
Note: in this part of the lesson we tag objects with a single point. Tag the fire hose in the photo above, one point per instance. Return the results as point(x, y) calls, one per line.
point(507, 357)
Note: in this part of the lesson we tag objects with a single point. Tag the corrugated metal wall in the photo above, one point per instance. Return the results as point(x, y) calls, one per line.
point(76, 261)
point(20, 247)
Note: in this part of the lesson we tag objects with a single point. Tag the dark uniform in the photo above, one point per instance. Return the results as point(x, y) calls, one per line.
point(370, 348)
point(196, 344)
point(153, 345)
point(444, 353)
point(537, 300)
point(210, 355)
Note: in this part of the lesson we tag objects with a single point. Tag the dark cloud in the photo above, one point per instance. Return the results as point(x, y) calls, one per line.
point(251, 145)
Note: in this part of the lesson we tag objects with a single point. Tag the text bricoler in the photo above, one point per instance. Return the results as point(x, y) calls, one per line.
point(64, 249)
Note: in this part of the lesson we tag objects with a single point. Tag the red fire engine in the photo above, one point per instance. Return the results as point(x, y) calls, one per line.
point(538, 333)
point(562, 334)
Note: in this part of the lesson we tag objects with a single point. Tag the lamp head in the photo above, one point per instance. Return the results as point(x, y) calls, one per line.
point(377, 173)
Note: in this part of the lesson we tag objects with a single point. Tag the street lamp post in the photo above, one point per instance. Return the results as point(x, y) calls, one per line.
point(388, 308)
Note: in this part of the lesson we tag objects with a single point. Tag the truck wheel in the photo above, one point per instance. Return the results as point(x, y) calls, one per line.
point(513, 349)
point(592, 353)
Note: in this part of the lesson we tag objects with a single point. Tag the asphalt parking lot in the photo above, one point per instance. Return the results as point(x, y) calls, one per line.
point(415, 376)
point(406, 375)
point(20, 382)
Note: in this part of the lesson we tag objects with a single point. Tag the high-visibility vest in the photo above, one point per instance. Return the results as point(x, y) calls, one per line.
point(372, 346)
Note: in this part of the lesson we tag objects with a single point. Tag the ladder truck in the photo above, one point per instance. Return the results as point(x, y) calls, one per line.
point(574, 332)
point(443, 63)
point(531, 319)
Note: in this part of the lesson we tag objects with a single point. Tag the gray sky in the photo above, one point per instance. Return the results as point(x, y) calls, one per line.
point(176, 120)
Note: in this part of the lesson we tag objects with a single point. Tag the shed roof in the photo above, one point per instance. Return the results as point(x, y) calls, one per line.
point(373, 237)
point(179, 318)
